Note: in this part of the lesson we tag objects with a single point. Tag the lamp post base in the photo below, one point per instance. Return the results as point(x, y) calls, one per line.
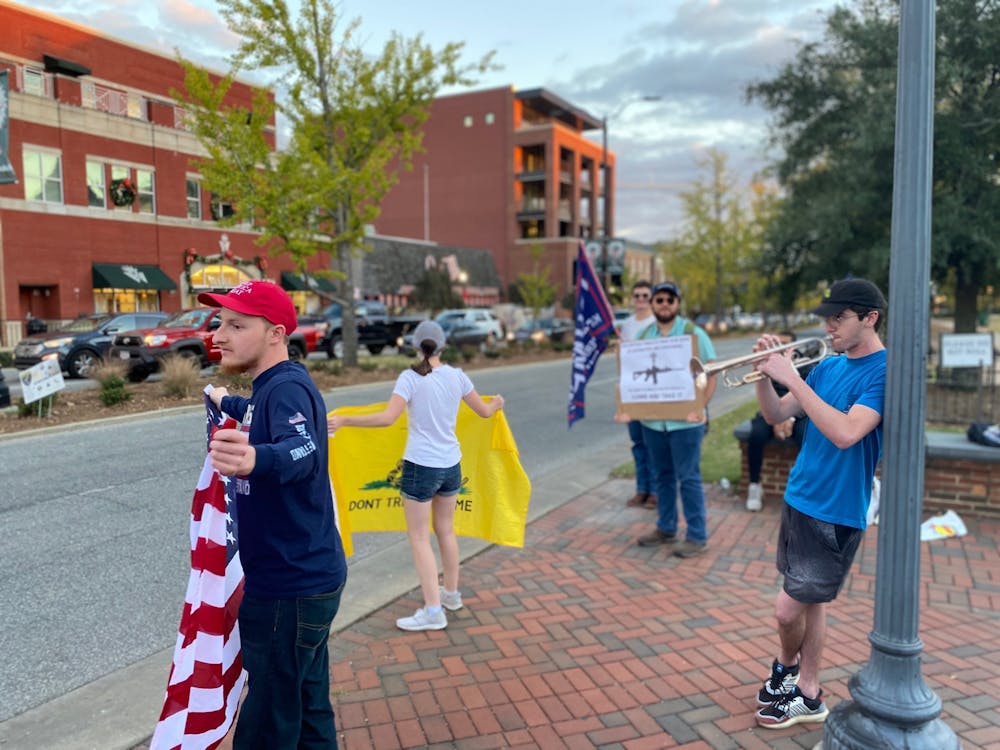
point(849, 728)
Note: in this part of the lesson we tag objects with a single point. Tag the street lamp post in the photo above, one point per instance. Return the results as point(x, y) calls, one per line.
point(606, 184)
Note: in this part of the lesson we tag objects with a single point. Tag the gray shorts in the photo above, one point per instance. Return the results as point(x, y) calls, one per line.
point(814, 556)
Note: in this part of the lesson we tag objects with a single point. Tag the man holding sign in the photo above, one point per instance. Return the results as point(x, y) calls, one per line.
point(675, 445)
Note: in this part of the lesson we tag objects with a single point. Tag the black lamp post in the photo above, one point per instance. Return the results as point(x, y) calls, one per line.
point(606, 184)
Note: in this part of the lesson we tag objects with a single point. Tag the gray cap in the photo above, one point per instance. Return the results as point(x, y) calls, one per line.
point(428, 329)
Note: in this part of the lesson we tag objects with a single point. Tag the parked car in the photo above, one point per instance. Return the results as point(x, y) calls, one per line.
point(377, 329)
point(80, 345)
point(4, 392)
point(545, 329)
point(479, 317)
point(456, 333)
point(189, 333)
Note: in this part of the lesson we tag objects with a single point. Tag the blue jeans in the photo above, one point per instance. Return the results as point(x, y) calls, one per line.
point(422, 483)
point(640, 454)
point(676, 460)
point(284, 643)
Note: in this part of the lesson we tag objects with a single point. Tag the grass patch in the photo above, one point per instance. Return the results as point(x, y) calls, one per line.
point(720, 452)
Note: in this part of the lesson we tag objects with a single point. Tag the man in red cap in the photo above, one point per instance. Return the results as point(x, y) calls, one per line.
point(292, 557)
point(828, 488)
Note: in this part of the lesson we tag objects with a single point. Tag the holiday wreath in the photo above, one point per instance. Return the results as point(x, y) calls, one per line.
point(122, 192)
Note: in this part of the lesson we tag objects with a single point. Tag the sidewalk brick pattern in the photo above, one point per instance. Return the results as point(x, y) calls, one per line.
point(584, 640)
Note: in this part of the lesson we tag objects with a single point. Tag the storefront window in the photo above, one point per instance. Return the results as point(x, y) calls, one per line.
point(218, 276)
point(126, 300)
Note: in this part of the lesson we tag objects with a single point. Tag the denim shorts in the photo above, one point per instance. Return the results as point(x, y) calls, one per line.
point(422, 483)
point(814, 556)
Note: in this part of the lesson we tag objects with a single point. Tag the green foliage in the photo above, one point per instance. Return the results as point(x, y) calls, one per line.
point(355, 117)
point(434, 291)
point(450, 355)
point(331, 366)
point(31, 410)
point(368, 365)
point(113, 391)
point(833, 117)
point(6, 358)
point(714, 255)
point(535, 289)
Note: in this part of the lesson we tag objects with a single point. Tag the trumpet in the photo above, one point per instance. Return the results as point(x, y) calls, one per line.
point(702, 372)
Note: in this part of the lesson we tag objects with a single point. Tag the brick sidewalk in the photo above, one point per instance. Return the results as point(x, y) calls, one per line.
point(584, 640)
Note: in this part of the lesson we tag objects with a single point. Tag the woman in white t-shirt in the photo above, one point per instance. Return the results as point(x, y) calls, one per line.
point(432, 473)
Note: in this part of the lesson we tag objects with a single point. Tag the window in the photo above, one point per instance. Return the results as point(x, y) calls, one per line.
point(96, 189)
point(34, 82)
point(490, 118)
point(119, 172)
point(221, 209)
point(145, 185)
point(42, 176)
point(193, 198)
point(467, 121)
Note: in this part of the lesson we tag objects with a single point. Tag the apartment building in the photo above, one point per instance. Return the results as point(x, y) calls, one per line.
point(101, 206)
point(508, 171)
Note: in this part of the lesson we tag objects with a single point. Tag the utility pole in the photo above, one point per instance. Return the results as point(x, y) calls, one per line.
point(606, 185)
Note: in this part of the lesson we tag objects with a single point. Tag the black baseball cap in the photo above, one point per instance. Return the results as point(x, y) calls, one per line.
point(666, 287)
point(851, 293)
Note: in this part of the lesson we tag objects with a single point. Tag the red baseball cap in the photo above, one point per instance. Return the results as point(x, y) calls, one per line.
point(265, 299)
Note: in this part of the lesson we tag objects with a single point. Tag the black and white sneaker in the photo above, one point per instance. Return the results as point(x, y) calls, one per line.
point(792, 708)
point(781, 682)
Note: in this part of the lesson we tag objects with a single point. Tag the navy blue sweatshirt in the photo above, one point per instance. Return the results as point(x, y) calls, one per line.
point(289, 544)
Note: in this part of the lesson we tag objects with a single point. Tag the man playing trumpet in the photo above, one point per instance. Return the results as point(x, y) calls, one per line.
point(828, 489)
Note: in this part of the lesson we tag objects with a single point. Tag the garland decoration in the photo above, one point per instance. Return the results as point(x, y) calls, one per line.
point(122, 192)
point(192, 258)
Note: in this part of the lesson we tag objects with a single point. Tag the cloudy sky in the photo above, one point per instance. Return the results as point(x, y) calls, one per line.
point(602, 55)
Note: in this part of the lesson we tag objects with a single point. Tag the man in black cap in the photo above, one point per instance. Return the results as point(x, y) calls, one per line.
point(828, 489)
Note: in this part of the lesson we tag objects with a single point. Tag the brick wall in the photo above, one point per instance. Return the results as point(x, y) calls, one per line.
point(966, 485)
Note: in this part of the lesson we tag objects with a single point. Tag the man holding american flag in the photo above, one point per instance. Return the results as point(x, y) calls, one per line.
point(289, 546)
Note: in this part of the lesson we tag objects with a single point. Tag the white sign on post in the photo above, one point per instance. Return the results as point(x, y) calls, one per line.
point(966, 349)
point(41, 380)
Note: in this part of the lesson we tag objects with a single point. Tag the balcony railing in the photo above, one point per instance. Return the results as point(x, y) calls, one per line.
point(114, 101)
point(531, 205)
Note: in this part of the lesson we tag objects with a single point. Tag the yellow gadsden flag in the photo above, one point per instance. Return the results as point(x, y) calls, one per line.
point(366, 464)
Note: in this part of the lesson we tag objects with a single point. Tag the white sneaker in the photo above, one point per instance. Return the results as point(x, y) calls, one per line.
point(451, 600)
point(421, 620)
point(755, 497)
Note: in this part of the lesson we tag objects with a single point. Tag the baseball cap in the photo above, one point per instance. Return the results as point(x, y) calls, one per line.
point(851, 293)
point(666, 287)
point(265, 299)
point(428, 329)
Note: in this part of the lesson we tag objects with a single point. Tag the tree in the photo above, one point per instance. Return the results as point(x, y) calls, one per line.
point(718, 244)
point(356, 119)
point(834, 116)
point(434, 290)
point(534, 288)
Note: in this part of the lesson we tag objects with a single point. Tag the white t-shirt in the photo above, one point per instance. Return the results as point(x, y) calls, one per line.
point(431, 411)
point(631, 327)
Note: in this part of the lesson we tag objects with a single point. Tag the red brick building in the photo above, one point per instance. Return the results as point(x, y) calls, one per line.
point(87, 111)
point(505, 170)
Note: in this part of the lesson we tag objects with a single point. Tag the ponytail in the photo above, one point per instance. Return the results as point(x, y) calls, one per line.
point(427, 347)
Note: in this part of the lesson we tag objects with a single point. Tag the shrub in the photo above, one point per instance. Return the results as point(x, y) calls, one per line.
point(368, 365)
point(469, 353)
point(331, 366)
point(450, 355)
point(6, 358)
point(494, 353)
point(30, 410)
point(113, 391)
point(181, 376)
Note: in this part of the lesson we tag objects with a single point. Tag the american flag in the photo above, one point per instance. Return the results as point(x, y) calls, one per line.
point(207, 674)
point(594, 321)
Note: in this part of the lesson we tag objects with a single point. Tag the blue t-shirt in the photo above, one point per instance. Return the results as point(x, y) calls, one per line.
point(289, 543)
point(706, 351)
point(826, 482)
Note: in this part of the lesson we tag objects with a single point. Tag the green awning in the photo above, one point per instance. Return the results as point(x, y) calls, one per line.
point(297, 282)
point(130, 276)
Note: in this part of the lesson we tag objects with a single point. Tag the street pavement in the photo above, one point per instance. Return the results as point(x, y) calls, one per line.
point(584, 640)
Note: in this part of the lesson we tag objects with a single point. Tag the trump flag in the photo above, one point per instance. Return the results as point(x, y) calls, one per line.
point(366, 466)
point(593, 322)
point(207, 676)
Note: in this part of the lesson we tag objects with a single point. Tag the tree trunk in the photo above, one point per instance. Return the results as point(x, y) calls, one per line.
point(349, 329)
point(966, 312)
